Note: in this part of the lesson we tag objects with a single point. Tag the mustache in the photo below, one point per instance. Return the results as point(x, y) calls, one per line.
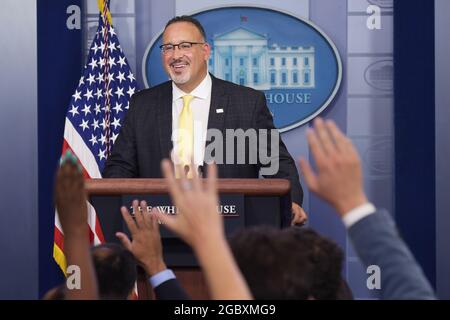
point(179, 61)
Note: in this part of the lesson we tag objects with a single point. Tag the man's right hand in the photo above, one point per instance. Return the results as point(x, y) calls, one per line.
point(339, 175)
point(146, 244)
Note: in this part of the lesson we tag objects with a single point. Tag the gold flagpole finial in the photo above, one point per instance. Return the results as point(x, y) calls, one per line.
point(101, 7)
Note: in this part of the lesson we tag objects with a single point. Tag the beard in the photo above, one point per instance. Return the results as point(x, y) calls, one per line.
point(181, 77)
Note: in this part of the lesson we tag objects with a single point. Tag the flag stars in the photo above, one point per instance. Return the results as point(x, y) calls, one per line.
point(102, 139)
point(93, 140)
point(118, 107)
point(101, 154)
point(108, 81)
point(111, 62)
point(99, 93)
point(97, 108)
point(95, 48)
point(93, 64)
point(74, 111)
point(116, 123)
point(109, 93)
point(102, 46)
point(131, 77)
point(77, 95)
point(101, 62)
point(121, 62)
point(95, 124)
point(88, 94)
point(131, 91)
point(86, 109)
point(84, 124)
point(103, 125)
point(119, 92)
point(112, 31)
point(100, 78)
point(111, 77)
point(121, 76)
point(106, 109)
point(114, 137)
point(112, 46)
point(91, 79)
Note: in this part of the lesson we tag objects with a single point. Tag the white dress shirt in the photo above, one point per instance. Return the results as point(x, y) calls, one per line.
point(161, 277)
point(200, 110)
point(358, 213)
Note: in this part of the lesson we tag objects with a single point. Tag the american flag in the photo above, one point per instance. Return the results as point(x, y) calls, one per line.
point(95, 115)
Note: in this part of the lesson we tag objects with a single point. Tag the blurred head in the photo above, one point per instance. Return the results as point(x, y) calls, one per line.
point(56, 293)
point(116, 271)
point(291, 263)
point(186, 64)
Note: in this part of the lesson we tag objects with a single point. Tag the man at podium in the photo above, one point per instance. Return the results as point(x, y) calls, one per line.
point(192, 116)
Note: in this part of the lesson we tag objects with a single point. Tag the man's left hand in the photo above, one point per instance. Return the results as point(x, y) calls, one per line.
point(299, 216)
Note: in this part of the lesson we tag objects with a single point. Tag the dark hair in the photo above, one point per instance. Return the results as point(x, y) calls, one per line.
point(116, 270)
point(288, 264)
point(56, 293)
point(189, 19)
point(344, 292)
point(326, 258)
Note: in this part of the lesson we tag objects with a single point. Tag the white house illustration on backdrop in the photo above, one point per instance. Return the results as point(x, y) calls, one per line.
point(244, 57)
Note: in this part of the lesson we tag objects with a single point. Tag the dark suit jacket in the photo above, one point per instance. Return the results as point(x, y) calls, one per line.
point(145, 138)
point(377, 242)
point(170, 290)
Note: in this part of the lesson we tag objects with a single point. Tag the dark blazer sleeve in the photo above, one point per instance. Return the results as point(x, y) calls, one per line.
point(170, 290)
point(287, 168)
point(377, 242)
point(122, 163)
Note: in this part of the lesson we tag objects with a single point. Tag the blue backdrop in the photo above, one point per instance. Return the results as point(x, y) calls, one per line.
point(59, 69)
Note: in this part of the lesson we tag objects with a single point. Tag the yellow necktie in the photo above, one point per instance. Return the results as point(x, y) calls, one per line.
point(186, 134)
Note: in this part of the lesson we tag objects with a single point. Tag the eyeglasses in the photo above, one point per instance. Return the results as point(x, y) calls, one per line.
point(182, 46)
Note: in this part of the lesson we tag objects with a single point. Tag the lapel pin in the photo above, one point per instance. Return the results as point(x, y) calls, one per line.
point(219, 110)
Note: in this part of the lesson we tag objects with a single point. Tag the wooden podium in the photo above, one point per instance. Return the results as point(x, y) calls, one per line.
point(245, 203)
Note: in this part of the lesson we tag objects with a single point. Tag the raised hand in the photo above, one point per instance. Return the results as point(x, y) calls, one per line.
point(70, 200)
point(70, 195)
point(146, 240)
point(339, 176)
point(197, 217)
point(201, 226)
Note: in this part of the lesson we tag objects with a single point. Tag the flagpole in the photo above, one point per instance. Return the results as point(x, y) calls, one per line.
point(103, 6)
point(107, 21)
